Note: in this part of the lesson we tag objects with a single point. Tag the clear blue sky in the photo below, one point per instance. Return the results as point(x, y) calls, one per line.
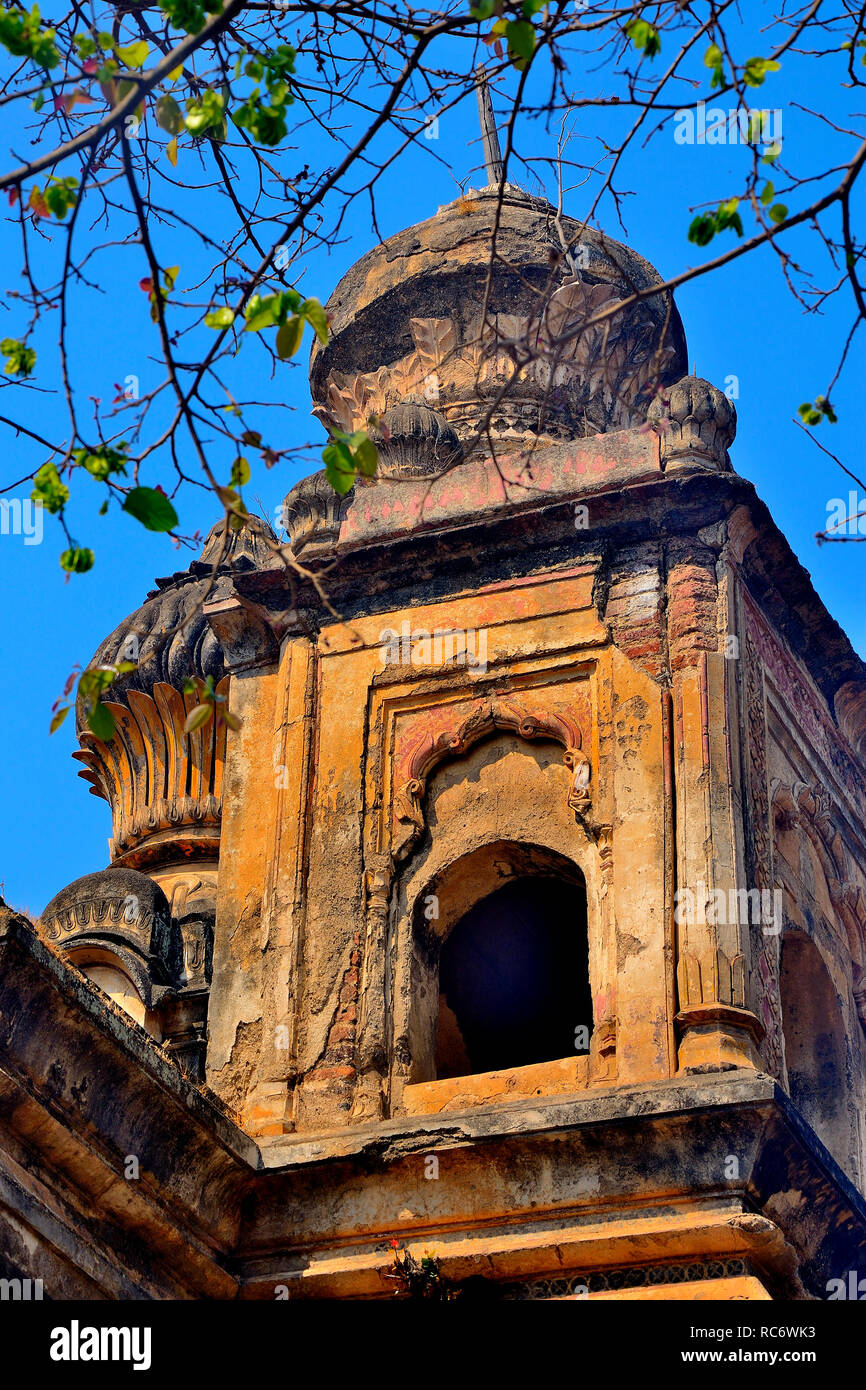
point(742, 321)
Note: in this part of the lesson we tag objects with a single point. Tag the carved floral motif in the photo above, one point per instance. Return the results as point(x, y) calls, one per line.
point(605, 372)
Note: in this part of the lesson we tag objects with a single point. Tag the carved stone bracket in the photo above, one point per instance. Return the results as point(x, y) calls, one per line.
point(248, 634)
point(717, 1029)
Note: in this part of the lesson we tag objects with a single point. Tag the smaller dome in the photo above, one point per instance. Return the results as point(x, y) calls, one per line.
point(516, 324)
point(695, 421)
point(120, 908)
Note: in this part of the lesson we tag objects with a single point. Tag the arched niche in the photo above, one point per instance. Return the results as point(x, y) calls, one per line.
point(106, 971)
point(496, 813)
point(816, 1054)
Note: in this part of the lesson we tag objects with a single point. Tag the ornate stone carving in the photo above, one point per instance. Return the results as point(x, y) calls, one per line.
point(124, 910)
point(169, 636)
point(460, 733)
point(695, 423)
point(372, 1048)
point(556, 374)
point(797, 693)
point(719, 1030)
point(485, 315)
point(164, 786)
point(248, 633)
point(313, 513)
point(769, 1004)
point(713, 978)
point(811, 809)
point(850, 709)
point(413, 441)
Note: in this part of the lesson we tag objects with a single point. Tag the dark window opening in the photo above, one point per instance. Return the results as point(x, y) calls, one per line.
point(514, 980)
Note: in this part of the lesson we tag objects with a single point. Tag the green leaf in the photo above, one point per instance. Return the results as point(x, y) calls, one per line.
point(714, 59)
point(95, 680)
point(21, 35)
point(240, 472)
point(772, 154)
point(100, 721)
point(102, 461)
point(220, 318)
point(778, 212)
point(767, 195)
point(77, 560)
point(169, 115)
point(756, 70)
point(272, 309)
point(260, 313)
point(702, 229)
point(20, 359)
point(133, 55)
point(644, 36)
point(49, 490)
point(339, 467)
point(205, 113)
point(152, 508)
point(197, 717)
point(289, 337)
point(365, 454)
point(312, 311)
point(521, 39)
point(814, 414)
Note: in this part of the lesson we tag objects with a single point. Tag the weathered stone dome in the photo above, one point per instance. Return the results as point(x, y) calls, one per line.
point(429, 314)
point(121, 909)
point(695, 421)
point(312, 513)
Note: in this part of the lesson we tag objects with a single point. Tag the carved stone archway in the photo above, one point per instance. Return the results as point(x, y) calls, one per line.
point(421, 757)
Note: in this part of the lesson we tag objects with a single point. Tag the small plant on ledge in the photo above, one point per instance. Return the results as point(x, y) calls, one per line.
point(420, 1278)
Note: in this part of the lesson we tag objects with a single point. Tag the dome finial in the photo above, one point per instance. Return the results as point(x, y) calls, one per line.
point(489, 133)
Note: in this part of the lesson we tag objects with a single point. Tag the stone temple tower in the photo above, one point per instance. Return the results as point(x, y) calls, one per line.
point(522, 919)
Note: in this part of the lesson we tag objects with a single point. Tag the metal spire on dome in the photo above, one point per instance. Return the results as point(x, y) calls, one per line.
point(489, 134)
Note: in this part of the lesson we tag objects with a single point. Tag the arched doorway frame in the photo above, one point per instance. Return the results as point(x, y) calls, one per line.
point(456, 888)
